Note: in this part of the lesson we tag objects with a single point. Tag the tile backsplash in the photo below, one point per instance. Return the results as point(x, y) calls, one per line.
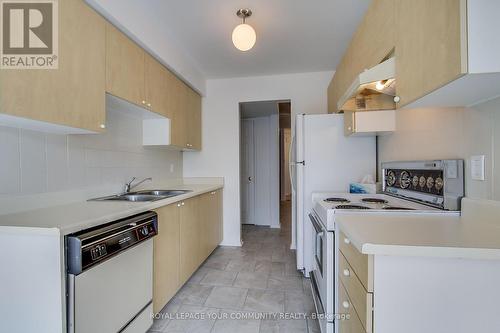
point(34, 162)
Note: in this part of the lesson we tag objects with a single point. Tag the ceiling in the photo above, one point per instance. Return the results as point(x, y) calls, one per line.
point(292, 35)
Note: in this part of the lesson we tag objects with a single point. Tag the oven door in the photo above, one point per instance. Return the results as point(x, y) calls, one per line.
point(319, 242)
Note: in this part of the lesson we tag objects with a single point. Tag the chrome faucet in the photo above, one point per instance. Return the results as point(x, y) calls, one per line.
point(129, 186)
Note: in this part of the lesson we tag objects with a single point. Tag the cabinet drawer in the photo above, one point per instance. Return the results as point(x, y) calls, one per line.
point(353, 324)
point(362, 264)
point(361, 299)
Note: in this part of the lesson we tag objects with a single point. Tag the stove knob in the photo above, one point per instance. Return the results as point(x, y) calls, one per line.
point(422, 181)
point(439, 183)
point(144, 231)
point(430, 183)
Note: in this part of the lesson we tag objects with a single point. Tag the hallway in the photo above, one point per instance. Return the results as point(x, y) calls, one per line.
point(259, 279)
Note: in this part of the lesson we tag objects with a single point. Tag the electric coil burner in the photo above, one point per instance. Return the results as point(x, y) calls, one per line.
point(351, 207)
point(397, 208)
point(336, 200)
point(374, 200)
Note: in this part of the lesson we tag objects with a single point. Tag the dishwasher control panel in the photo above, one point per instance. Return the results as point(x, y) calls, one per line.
point(90, 247)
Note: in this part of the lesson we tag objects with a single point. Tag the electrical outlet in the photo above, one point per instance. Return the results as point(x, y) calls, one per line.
point(477, 167)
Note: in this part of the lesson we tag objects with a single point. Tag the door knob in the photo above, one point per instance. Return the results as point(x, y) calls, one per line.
point(250, 179)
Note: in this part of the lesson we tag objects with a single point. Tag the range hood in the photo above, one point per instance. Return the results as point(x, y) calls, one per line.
point(373, 89)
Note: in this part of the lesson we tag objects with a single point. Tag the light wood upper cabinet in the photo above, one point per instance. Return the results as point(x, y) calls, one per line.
point(431, 46)
point(194, 119)
point(73, 94)
point(178, 103)
point(125, 67)
point(166, 279)
point(372, 42)
point(157, 88)
point(137, 77)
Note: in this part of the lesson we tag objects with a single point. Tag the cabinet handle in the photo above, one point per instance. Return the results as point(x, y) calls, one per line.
point(346, 304)
point(347, 272)
point(212, 193)
point(396, 99)
point(182, 203)
point(178, 205)
point(143, 102)
point(347, 241)
point(349, 129)
point(149, 104)
point(102, 126)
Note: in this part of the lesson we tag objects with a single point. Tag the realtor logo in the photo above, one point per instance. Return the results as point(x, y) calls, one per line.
point(29, 38)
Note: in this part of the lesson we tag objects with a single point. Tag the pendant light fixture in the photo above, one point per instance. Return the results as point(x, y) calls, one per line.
point(244, 35)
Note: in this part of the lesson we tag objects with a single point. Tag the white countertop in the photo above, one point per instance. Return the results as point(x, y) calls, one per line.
point(474, 235)
point(69, 218)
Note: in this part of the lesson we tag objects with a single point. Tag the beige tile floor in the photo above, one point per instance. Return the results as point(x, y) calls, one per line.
point(259, 277)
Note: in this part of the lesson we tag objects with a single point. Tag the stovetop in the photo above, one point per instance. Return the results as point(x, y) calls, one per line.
point(329, 205)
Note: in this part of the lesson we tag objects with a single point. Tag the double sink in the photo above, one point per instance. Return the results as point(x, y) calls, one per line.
point(143, 196)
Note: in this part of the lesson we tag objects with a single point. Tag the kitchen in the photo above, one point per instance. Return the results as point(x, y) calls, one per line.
point(152, 90)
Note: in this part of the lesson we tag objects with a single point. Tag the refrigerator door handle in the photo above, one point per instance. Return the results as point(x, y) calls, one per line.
point(290, 164)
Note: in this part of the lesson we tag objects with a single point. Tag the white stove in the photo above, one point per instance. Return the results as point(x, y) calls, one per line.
point(420, 188)
point(329, 205)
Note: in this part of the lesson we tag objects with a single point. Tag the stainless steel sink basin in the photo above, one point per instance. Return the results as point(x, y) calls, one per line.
point(164, 193)
point(143, 196)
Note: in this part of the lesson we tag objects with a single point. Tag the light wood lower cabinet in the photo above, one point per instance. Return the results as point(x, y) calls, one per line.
point(210, 223)
point(352, 324)
point(188, 231)
point(190, 237)
point(73, 94)
point(166, 256)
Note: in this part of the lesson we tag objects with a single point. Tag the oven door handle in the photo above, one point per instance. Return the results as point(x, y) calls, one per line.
point(317, 227)
point(316, 296)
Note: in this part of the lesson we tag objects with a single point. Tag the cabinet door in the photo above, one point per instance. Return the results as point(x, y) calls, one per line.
point(373, 41)
point(156, 82)
point(431, 46)
point(178, 109)
point(74, 94)
point(125, 71)
point(166, 279)
point(217, 218)
point(206, 225)
point(190, 242)
point(194, 119)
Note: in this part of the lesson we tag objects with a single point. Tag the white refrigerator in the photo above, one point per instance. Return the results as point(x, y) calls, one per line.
point(322, 159)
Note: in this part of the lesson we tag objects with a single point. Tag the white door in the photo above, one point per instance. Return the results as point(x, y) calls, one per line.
point(247, 172)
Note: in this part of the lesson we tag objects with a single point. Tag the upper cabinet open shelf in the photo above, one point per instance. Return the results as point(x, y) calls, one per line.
point(447, 53)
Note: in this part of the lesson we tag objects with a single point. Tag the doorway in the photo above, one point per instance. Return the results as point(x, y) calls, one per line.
point(285, 124)
point(264, 176)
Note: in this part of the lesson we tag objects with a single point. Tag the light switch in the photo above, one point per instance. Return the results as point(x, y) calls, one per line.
point(477, 167)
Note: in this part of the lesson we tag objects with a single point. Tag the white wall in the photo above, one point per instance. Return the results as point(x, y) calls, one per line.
point(34, 162)
point(450, 133)
point(220, 154)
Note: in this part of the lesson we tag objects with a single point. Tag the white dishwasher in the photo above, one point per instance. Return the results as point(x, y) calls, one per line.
point(110, 276)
